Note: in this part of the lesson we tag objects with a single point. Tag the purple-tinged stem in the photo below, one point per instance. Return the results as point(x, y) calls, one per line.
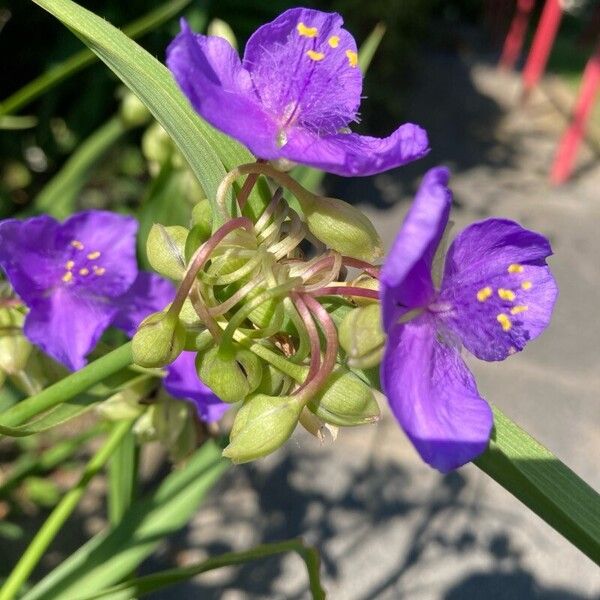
point(313, 336)
point(345, 290)
point(368, 268)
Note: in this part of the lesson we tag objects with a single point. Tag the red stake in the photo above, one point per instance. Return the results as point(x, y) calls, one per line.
point(567, 149)
point(541, 46)
point(513, 44)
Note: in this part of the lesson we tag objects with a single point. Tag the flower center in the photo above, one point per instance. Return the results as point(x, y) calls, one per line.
point(81, 265)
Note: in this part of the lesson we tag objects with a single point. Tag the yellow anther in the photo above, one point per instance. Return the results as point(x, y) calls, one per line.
point(315, 55)
point(93, 255)
point(504, 321)
point(69, 265)
point(99, 270)
point(352, 58)
point(67, 277)
point(484, 293)
point(334, 41)
point(309, 32)
point(84, 271)
point(527, 285)
point(506, 294)
point(515, 310)
point(515, 268)
point(77, 245)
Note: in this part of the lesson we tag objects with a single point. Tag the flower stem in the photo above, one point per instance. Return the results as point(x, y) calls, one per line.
point(345, 290)
point(69, 387)
point(61, 513)
point(141, 586)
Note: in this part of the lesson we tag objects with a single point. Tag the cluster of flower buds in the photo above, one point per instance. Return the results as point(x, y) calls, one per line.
point(281, 310)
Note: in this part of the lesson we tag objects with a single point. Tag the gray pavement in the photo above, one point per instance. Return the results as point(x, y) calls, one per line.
point(387, 526)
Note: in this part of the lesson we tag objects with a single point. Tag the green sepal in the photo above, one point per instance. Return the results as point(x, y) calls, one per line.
point(165, 249)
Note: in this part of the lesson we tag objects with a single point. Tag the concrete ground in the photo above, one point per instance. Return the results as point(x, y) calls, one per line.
point(387, 526)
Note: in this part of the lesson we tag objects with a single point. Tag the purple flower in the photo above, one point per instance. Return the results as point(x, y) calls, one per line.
point(496, 294)
point(292, 96)
point(69, 275)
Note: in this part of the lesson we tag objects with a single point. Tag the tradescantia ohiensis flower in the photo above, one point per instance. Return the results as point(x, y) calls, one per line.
point(78, 278)
point(496, 294)
point(292, 96)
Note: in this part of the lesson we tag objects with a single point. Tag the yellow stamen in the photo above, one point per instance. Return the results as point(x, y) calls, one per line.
point(99, 270)
point(515, 310)
point(67, 277)
point(504, 321)
point(315, 55)
point(484, 293)
point(69, 265)
point(506, 294)
point(352, 58)
point(309, 32)
point(93, 255)
point(515, 268)
point(527, 285)
point(84, 271)
point(334, 41)
point(77, 245)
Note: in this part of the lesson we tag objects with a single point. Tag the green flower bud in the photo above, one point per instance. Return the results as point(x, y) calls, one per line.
point(165, 249)
point(14, 346)
point(341, 227)
point(133, 111)
point(345, 400)
point(361, 336)
point(156, 144)
point(223, 30)
point(159, 340)
point(197, 236)
point(189, 317)
point(261, 426)
point(273, 381)
point(231, 380)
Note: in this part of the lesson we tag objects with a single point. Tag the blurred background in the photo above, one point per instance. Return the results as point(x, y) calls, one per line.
point(387, 526)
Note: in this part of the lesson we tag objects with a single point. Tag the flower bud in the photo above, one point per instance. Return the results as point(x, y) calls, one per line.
point(223, 30)
point(345, 400)
point(261, 426)
point(133, 111)
point(231, 380)
point(156, 144)
point(14, 346)
point(342, 227)
point(273, 381)
point(361, 336)
point(165, 249)
point(159, 340)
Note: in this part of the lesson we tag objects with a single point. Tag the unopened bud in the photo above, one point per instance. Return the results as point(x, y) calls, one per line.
point(156, 144)
point(133, 111)
point(345, 400)
point(14, 346)
point(159, 340)
point(262, 425)
point(165, 249)
point(223, 30)
point(342, 227)
point(231, 380)
point(361, 336)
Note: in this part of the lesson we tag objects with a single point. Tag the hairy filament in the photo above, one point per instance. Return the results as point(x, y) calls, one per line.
point(293, 238)
point(217, 279)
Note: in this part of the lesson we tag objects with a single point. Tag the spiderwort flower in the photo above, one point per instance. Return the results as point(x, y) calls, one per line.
point(292, 96)
point(496, 294)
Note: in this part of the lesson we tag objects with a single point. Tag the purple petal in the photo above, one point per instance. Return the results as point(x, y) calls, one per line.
point(353, 155)
point(499, 291)
point(303, 66)
point(434, 396)
point(182, 382)
point(209, 72)
point(67, 326)
point(30, 256)
point(101, 245)
point(148, 294)
point(406, 274)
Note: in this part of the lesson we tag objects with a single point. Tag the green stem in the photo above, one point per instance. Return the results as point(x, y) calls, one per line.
point(151, 583)
point(544, 484)
point(69, 387)
point(82, 59)
point(60, 514)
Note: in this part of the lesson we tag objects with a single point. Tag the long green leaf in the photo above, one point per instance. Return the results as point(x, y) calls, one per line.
point(206, 150)
point(122, 478)
point(112, 555)
point(544, 484)
point(82, 59)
